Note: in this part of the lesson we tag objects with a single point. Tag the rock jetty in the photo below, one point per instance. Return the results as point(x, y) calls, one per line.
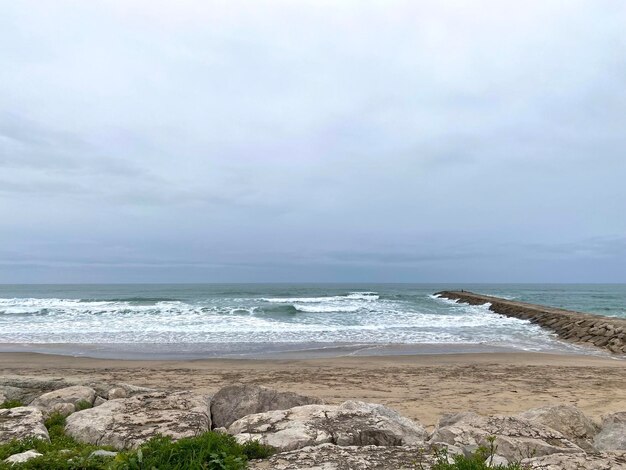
point(603, 332)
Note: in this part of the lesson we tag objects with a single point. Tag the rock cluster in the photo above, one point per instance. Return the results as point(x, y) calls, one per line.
point(128, 422)
point(29, 389)
point(334, 457)
point(349, 424)
point(608, 333)
point(65, 400)
point(21, 423)
point(515, 438)
point(308, 434)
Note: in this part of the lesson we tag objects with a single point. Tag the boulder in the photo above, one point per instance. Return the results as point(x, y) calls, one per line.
point(128, 422)
point(568, 420)
point(332, 457)
point(10, 393)
point(20, 423)
point(64, 399)
point(117, 392)
point(65, 409)
point(496, 461)
point(99, 401)
point(581, 461)
point(515, 438)
point(236, 401)
point(123, 389)
point(26, 389)
point(612, 435)
point(351, 423)
point(22, 457)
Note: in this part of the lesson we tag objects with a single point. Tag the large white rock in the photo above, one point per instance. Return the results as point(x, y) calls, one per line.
point(236, 401)
point(64, 400)
point(8, 392)
point(612, 435)
point(568, 420)
point(602, 461)
point(351, 423)
point(117, 392)
point(128, 422)
point(22, 457)
point(22, 422)
point(515, 438)
point(332, 457)
point(99, 401)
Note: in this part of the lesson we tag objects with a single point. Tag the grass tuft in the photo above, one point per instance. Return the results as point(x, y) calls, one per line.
point(481, 459)
point(208, 451)
point(83, 405)
point(11, 404)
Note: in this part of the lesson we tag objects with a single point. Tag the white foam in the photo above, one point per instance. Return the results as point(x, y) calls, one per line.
point(326, 308)
point(369, 296)
point(360, 317)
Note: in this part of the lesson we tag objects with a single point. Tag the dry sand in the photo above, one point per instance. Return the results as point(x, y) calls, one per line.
point(422, 387)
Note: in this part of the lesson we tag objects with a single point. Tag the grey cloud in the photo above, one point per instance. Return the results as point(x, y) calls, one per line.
point(394, 141)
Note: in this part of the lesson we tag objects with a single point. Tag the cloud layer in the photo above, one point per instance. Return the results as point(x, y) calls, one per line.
point(313, 141)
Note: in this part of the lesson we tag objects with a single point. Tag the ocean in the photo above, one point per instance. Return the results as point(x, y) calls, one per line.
point(281, 320)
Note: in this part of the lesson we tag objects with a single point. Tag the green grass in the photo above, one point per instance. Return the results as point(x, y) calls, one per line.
point(83, 405)
point(11, 404)
point(62, 452)
point(478, 460)
point(209, 451)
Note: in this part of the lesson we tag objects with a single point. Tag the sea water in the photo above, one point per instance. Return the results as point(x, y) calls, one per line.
point(256, 320)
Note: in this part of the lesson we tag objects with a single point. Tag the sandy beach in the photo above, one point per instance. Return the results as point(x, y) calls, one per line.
point(421, 387)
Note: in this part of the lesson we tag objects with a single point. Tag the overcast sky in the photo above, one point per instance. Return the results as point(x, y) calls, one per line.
point(419, 141)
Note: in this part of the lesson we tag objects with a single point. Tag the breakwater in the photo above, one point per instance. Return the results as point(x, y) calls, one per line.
point(595, 330)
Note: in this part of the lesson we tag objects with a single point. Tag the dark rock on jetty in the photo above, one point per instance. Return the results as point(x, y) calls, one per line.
point(595, 330)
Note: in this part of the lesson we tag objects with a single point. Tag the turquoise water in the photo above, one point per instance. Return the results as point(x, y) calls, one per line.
point(230, 319)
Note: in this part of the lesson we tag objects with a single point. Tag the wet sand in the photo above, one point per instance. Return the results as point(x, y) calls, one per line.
point(422, 387)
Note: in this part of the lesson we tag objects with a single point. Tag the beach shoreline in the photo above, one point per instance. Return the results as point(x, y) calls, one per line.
point(277, 351)
point(422, 387)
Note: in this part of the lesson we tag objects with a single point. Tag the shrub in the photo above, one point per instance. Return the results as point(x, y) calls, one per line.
point(256, 450)
point(83, 405)
point(481, 459)
point(61, 453)
point(209, 451)
point(11, 404)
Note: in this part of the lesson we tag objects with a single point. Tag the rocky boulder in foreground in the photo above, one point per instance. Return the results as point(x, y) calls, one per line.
point(236, 401)
point(128, 422)
point(22, 423)
point(351, 423)
point(64, 400)
point(332, 457)
point(602, 461)
point(568, 420)
point(612, 435)
point(22, 457)
point(515, 438)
